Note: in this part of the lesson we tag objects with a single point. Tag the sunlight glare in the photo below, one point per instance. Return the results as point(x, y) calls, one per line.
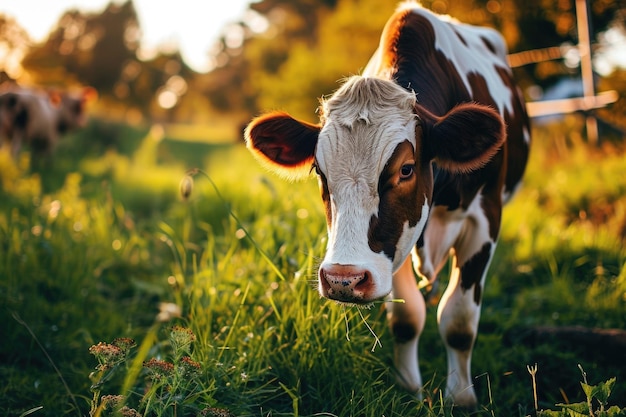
point(177, 85)
point(612, 53)
point(256, 21)
point(55, 207)
point(234, 36)
point(572, 57)
point(167, 99)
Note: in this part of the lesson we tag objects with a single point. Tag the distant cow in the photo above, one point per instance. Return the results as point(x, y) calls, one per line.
point(38, 119)
point(418, 154)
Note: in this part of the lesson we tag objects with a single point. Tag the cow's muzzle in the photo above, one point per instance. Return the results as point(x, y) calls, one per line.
point(346, 283)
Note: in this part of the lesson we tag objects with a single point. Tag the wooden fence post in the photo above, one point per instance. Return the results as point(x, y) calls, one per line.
point(586, 67)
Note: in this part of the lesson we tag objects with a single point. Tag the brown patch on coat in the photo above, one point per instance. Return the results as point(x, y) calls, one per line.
point(403, 332)
point(473, 269)
point(401, 200)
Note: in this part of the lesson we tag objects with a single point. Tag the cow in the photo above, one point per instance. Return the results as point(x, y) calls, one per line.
point(38, 119)
point(415, 158)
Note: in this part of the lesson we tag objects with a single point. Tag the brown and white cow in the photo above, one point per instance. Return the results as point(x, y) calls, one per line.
point(418, 154)
point(38, 119)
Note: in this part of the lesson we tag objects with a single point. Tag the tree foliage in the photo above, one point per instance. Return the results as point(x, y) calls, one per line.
point(13, 44)
point(308, 46)
point(92, 49)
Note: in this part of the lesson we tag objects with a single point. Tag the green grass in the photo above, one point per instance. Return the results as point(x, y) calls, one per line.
point(91, 247)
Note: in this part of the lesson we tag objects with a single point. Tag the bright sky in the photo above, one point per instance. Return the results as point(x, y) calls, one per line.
point(191, 24)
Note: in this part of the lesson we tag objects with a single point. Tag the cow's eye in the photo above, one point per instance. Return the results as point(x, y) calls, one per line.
point(406, 171)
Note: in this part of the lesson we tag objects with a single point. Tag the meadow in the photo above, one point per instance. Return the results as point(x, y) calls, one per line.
point(129, 284)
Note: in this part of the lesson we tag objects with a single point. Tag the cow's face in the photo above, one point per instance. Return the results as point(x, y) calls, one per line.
point(373, 153)
point(375, 187)
point(70, 108)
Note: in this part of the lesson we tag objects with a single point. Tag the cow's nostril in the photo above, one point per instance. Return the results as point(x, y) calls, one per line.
point(364, 280)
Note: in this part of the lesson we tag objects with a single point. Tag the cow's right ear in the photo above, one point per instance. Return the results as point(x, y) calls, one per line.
point(465, 139)
point(283, 144)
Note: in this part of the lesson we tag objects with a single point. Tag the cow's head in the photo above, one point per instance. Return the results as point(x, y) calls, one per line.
point(373, 152)
point(71, 107)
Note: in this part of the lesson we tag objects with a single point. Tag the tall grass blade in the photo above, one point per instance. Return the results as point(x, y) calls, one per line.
point(17, 318)
point(137, 364)
point(31, 411)
point(235, 322)
point(263, 254)
point(376, 339)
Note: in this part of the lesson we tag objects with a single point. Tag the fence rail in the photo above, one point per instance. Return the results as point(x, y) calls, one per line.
point(533, 56)
point(590, 99)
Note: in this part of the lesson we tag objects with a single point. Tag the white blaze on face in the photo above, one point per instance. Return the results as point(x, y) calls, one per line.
point(352, 161)
point(352, 151)
point(348, 239)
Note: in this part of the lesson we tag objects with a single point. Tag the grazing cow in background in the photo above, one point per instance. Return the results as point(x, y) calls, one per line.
point(418, 154)
point(38, 119)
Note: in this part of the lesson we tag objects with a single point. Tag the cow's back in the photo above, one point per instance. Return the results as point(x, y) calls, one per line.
point(445, 63)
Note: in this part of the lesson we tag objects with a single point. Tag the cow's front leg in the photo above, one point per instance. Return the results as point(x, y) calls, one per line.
point(406, 320)
point(16, 145)
point(459, 310)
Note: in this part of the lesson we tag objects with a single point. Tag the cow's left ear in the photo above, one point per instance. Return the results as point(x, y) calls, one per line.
point(283, 144)
point(88, 94)
point(466, 138)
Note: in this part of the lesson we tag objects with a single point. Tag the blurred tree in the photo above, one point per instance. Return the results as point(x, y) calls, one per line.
point(302, 50)
point(14, 42)
point(100, 50)
point(310, 45)
point(88, 48)
point(109, 40)
point(344, 43)
point(242, 64)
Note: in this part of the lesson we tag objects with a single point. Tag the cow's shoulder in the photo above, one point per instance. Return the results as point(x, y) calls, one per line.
point(443, 60)
point(451, 36)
